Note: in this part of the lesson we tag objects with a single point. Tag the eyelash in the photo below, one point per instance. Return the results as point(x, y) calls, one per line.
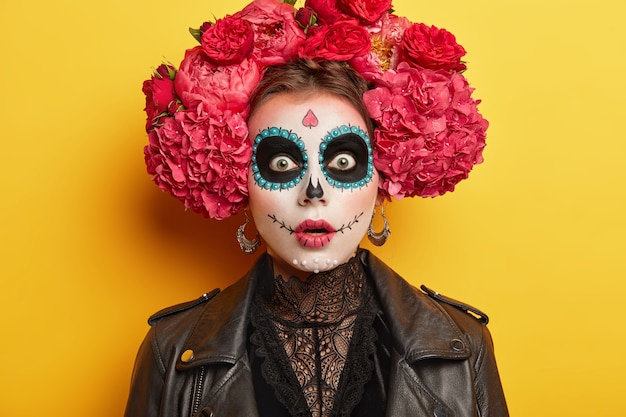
point(276, 158)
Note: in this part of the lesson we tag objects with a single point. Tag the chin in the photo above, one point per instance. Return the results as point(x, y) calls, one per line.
point(312, 261)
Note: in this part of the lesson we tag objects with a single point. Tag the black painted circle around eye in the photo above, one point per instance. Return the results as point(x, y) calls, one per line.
point(350, 144)
point(267, 150)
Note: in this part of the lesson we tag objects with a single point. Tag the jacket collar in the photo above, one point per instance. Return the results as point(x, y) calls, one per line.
point(419, 326)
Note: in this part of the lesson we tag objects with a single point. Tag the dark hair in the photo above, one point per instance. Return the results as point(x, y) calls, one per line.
point(306, 76)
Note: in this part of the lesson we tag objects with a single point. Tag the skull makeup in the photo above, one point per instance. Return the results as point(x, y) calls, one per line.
point(312, 184)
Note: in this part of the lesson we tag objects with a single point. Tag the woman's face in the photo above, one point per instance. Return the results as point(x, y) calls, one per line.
point(312, 181)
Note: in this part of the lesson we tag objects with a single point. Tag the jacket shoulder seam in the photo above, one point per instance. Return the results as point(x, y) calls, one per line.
point(178, 308)
point(472, 311)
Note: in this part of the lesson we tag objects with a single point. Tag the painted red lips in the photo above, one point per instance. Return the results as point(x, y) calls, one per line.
point(314, 233)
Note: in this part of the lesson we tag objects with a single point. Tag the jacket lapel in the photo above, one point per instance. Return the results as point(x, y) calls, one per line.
point(219, 335)
point(419, 327)
point(421, 330)
point(218, 342)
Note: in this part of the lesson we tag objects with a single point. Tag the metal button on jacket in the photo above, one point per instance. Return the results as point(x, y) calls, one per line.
point(457, 345)
point(440, 412)
point(187, 356)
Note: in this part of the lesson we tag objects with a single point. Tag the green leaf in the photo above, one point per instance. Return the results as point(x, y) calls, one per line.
point(171, 72)
point(197, 34)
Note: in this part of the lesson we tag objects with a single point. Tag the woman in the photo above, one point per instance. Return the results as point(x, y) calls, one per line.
point(318, 327)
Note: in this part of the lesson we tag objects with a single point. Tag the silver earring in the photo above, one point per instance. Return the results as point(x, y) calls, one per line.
point(246, 245)
point(379, 238)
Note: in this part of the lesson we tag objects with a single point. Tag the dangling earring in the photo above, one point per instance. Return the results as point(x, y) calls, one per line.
point(246, 245)
point(379, 238)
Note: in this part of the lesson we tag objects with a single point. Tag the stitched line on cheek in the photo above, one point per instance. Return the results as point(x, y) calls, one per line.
point(281, 223)
point(350, 223)
point(341, 229)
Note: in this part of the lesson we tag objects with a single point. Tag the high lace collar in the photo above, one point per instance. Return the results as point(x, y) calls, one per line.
point(324, 298)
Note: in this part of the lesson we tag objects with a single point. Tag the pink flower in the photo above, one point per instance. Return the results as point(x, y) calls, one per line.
point(368, 65)
point(367, 11)
point(162, 155)
point(401, 162)
point(228, 41)
point(386, 37)
point(340, 41)
point(432, 48)
point(213, 89)
point(429, 133)
point(203, 163)
point(277, 34)
point(160, 95)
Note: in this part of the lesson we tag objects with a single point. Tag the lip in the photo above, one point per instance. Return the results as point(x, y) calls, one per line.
point(314, 233)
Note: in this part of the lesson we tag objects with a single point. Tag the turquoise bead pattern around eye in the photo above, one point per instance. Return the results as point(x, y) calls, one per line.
point(256, 174)
point(339, 131)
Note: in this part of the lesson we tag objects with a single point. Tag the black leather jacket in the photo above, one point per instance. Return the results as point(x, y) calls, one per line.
point(194, 360)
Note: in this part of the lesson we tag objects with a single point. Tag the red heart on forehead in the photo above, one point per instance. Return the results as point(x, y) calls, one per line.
point(310, 120)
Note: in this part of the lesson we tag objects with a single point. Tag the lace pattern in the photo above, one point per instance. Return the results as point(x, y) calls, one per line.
point(316, 340)
point(325, 298)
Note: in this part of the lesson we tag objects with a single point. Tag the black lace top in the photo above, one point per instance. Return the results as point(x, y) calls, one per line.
point(313, 342)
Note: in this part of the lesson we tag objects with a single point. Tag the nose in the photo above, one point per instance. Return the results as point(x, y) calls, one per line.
point(314, 192)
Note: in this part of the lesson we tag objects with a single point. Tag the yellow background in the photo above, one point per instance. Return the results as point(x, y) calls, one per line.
point(90, 247)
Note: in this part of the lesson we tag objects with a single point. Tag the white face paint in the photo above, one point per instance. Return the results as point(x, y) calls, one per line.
point(312, 185)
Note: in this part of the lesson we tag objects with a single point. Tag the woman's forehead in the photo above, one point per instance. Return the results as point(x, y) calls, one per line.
point(310, 117)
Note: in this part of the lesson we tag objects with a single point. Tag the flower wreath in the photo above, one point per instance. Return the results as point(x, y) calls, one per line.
point(428, 133)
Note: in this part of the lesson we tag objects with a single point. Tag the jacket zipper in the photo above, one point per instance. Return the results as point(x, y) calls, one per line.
point(197, 397)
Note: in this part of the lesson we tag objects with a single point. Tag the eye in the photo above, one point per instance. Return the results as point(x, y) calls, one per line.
point(283, 163)
point(346, 158)
point(344, 161)
point(278, 162)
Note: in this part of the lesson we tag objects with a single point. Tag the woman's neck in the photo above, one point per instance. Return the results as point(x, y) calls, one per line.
point(325, 297)
point(287, 270)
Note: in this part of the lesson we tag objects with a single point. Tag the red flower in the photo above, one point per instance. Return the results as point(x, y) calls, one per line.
point(201, 154)
point(306, 17)
point(428, 133)
point(340, 41)
point(205, 26)
point(228, 41)
point(368, 11)
point(432, 48)
point(327, 11)
point(277, 34)
point(160, 95)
